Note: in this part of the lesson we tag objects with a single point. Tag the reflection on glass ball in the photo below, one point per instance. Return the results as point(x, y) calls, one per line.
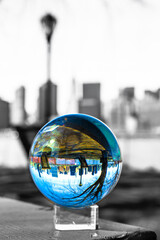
point(75, 160)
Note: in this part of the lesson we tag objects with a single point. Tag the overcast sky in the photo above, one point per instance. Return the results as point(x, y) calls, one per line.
point(115, 42)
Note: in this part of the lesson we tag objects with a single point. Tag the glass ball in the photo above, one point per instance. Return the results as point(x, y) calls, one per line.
point(75, 160)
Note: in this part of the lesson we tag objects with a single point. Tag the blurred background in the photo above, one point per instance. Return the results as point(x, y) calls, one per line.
point(99, 57)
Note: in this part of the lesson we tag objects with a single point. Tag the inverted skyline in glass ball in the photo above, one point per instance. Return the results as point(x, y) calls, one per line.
point(75, 160)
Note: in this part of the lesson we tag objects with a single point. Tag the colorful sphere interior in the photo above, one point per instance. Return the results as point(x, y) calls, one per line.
point(75, 160)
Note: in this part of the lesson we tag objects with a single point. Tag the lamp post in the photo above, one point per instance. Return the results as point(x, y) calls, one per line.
point(48, 102)
point(48, 23)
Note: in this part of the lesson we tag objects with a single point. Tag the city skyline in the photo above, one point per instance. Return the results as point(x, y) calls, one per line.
point(125, 114)
point(115, 48)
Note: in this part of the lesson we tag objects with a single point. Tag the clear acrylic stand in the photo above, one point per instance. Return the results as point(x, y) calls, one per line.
point(64, 219)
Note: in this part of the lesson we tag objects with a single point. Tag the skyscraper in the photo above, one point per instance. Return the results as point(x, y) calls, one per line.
point(4, 114)
point(47, 101)
point(91, 90)
point(72, 170)
point(90, 103)
point(17, 108)
point(54, 171)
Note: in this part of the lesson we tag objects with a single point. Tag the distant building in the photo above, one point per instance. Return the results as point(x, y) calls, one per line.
point(152, 94)
point(17, 108)
point(128, 93)
point(54, 171)
point(91, 103)
point(91, 91)
point(4, 114)
point(47, 104)
point(90, 168)
point(124, 113)
point(118, 115)
point(149, 111)
point(81, 171)
point(72, 106)
point(86, 171)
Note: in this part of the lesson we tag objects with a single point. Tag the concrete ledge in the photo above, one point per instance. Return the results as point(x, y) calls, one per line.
point(19, 220)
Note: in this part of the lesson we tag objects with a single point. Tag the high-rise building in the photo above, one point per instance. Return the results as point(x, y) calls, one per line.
point(123, 115)
point(17, 108)
point(90, 103)
point(152, 94)
point(90, 168)
point(91, 90)
point(128, 93)
point(149, 111)
point(118, 115)
point(4, 114)
point(47, 101)
point(54, 171)
point(81, 171)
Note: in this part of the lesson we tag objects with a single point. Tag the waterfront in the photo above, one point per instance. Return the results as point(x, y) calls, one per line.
point(141, 153)
point(135, 200)
point(137, 153)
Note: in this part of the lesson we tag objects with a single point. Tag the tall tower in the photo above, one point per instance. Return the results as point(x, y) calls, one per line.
point(17, 108)
point(91, 103)
point(47, 102)
point(4, 114)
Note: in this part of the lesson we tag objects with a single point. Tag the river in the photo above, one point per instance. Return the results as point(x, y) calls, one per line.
point(138, 153)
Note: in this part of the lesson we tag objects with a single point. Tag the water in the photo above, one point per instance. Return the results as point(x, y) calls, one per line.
point(75, 160)
point(141, 153)
point(12, 153)
point(138, 153)
point(82, 186)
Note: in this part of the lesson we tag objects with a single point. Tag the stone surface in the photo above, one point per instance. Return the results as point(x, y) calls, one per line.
point(19, 220)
